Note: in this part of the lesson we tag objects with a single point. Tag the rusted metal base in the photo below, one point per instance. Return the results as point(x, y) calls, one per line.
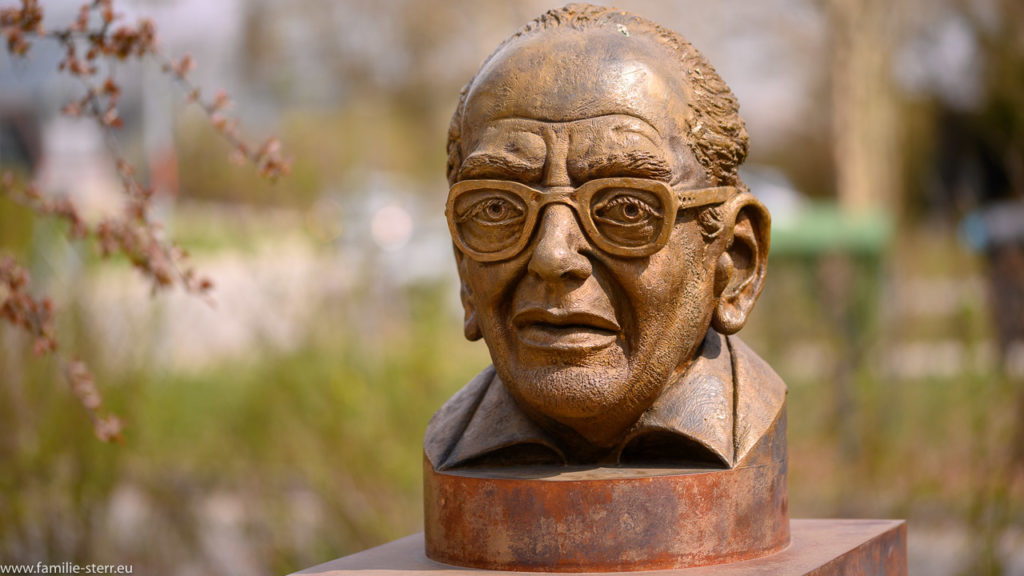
point(561, 519)
point(607, 519)
point(818, 548)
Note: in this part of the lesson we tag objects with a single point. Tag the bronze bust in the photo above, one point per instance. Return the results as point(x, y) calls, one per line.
point(607, 250)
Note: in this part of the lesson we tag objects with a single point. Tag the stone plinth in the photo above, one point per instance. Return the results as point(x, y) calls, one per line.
point(817, 547)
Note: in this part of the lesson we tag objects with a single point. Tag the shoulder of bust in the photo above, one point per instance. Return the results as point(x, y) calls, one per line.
point(760, 396)
point(449, 422)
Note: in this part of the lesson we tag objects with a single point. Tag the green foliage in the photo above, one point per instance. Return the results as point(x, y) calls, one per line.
point(15, 226)
point(338, 421)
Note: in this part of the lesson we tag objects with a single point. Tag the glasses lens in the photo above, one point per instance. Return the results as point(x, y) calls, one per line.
point(489, 220)
point(628, 217)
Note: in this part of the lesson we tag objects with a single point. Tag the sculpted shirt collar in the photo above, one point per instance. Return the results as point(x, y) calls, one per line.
point(695, 417)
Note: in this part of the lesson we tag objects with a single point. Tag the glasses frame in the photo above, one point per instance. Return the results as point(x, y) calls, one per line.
point(537, 199)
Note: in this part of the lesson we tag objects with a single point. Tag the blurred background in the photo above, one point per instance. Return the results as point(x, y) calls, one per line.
point(281, 427)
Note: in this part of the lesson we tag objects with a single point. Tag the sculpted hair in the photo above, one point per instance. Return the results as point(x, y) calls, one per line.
point(716, 132)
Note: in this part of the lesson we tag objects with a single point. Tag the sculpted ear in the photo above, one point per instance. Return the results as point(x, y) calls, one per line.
point(470, 327)
point(741, 269)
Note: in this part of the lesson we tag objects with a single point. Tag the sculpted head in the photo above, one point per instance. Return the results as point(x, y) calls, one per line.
point(600, 225)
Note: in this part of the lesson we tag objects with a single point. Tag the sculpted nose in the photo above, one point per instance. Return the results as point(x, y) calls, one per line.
point(559, 252)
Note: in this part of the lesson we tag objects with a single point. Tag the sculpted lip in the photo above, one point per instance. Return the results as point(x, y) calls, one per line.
point(565, 329)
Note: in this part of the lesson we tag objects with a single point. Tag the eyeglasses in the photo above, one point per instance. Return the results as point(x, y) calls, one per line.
point(492, 220)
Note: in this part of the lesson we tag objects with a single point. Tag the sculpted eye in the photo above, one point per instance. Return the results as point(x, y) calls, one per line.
point(489, 220)
point(494, 211)
point(628, 217)
point(626, 209)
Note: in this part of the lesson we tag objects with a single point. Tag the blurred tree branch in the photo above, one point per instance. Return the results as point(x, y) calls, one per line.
point(91, 44)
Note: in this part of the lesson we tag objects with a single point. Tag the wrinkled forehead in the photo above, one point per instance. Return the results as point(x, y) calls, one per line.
point(563, 75)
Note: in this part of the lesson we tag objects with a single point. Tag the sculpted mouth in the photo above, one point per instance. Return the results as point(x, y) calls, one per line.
point(563, 329)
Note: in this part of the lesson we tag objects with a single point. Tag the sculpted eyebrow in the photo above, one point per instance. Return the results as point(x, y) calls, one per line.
point(632, 163)
point(495, 165)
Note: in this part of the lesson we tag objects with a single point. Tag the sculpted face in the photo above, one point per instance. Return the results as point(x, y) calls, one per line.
point(586, 340)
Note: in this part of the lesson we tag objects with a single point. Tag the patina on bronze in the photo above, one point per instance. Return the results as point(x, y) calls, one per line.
point(608, 251)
